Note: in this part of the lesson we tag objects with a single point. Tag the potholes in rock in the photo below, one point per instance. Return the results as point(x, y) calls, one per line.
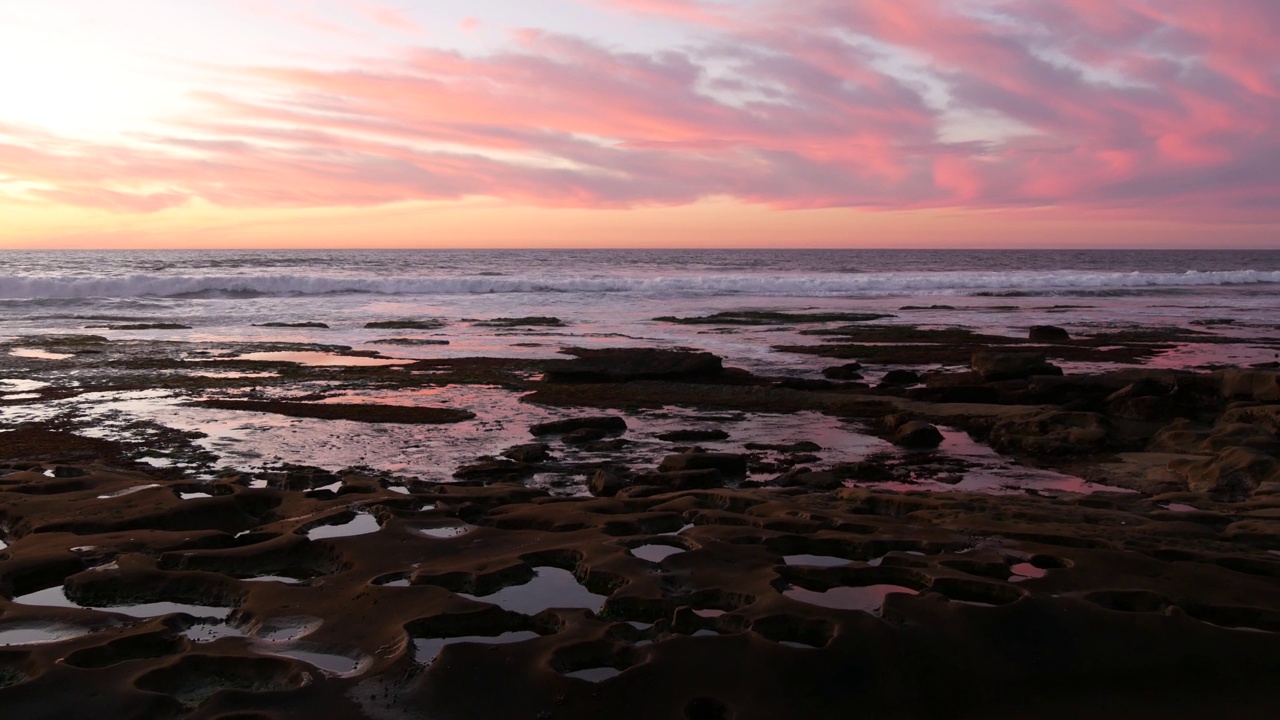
point(57, 597)
point(195, 678)
point(37, 633)
point(551, 587)
point(793, 631)
point(127, 491)
point(594, 675)
point(425, 650)
point(330, 663)
point(133, 647)
point(361, 524)
point(656, 552)
point(973, 592)
point(850, 588)
point(286, 629)
point(1026, 571)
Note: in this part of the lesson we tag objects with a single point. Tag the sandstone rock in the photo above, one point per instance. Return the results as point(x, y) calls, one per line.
point(693, 435)
point(1234, 471)
point(699, 479)
point(608, 423)
point(1000, 365)
point(917, 434)
point(527, 453)
point(807, 384)
point(1259, 385)
point(848, 371)
point(1048, 334)
point(1265, 417)
point(862, 471)
point(730, 464)
point(624, 364)
point(495, 471)
point(1052, 433)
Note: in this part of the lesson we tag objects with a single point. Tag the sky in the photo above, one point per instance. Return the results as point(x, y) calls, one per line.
point(634, 123)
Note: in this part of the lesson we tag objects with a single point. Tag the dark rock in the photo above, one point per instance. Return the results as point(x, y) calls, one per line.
point(899, 378)
point(693, 435)
point(585, 435)
point(693, 479)
point(67, 471)
point(848, 371)
point(1001, 365)
point(319, 325)
point(807, 384)
point(755, 317)
point(862, 471)
point(431, 324)
point(605, 483)
point(917, 434)
point(146, 326)
point(610, 445)
point(408, 341)
point(528, 453)
point(1048, 334)
point(803, 477)
point(1234, 471)
point(956, 394)
point(495, 471)
point(796, 447)
point(608, 423)
point(532, 321)
point(625, 364)
point(730, 464)
point(358, 412)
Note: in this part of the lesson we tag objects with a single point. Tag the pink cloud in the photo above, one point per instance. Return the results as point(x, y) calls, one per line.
point(1153, 107)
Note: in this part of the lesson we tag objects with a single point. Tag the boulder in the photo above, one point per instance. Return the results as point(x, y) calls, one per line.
point(917, 435)
point(1048, 334)
point(899, 378)
point(527, 453)
point(605, 483)
point(625, 364)
point(1265, 417)
point(1001, 365)
point(607, 423)
point(730, 464)
point(693, 435)
point(1234, 471)
point(848, 371)
point(806, 478)
point(495, 471)
point(862, 471)
point(585, 435)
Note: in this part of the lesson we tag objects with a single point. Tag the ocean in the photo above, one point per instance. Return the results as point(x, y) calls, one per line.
point(604, 298)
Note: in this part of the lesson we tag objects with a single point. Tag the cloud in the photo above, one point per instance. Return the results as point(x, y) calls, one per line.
point(1155, 107)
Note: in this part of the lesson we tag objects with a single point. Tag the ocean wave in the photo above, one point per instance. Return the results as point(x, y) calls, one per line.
point(758, 284)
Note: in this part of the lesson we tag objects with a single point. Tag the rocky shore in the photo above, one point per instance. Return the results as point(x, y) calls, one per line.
point(693, 573)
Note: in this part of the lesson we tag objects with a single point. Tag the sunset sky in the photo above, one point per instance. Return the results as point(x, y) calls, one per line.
point(625, 123)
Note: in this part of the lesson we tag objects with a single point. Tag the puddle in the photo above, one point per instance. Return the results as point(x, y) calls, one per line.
point(816, 560)
point(425, 650)
point(274, 578)
point(1180, 508)
point(329, 663)
point(866, 597)
point(797, 645)
point(361, 524)
point(127, 491)
point(231, 374)
point(682, 529)
point(286, 629)
point(595, 675)
point(709, 613)
point(33, 634)
point(208, 632)
point(1026, 571)
point(22, 396)
point(24, 386)
point(321, 359)
point(193, 495)
point(656, 553)
point(35, 354)
point(445, 532)
point(57, 597)
point(399, 489)
point(550, 588)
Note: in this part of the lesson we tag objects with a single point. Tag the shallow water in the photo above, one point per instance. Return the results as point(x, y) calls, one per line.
point(595, 675)
point(425, 650)
point(361, 524)
point(866, 597)
point(56, 597)
point(25, 633)
point(815, 560)
point(656, 553)
point(550, 588)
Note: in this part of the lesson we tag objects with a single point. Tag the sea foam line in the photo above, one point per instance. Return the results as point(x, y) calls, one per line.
point(793, 285)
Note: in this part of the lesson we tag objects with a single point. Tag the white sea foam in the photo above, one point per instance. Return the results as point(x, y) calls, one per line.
point(669, 285)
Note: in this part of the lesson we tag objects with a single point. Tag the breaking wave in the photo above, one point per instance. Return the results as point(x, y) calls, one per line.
point(673, 285)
